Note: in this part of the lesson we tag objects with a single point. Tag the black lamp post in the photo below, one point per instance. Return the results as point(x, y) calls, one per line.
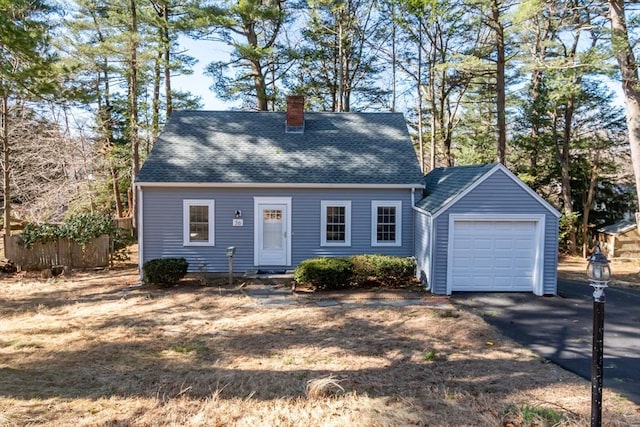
point(599, 274)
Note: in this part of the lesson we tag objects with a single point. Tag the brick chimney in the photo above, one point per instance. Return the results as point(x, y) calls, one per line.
point(295, 114)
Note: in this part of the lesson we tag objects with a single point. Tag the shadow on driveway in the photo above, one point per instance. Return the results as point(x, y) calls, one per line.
point(559, 328)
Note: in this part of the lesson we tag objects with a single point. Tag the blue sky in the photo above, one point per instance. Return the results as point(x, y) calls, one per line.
point(198, 83)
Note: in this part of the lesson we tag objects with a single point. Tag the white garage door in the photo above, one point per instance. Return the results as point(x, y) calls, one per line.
point(493, 256)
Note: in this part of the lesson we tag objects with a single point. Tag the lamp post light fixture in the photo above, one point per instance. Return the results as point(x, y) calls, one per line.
point(599, 274)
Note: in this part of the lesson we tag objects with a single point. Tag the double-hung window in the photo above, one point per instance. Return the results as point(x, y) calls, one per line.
point(336, 223)
point(198, 225)
point(386, 223)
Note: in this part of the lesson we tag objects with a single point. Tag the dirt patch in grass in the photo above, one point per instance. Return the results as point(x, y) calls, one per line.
point(96, 349)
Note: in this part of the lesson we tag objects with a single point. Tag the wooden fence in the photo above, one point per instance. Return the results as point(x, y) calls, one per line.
point(125, 225)
point(96, 253)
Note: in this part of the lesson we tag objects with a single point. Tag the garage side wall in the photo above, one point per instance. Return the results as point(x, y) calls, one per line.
point(423, 246)
point(498, 194)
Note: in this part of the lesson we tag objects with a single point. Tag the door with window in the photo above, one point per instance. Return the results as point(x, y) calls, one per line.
point(272, 235)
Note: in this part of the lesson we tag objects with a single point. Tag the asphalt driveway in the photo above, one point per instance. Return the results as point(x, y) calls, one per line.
point(559, 328)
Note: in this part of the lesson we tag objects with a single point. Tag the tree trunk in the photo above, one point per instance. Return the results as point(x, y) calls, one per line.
point(500, 84)
point(155, 102)
point(115, 186)
point(629, 72)
point(256, 69)
point(107, 128)
point(6, 190)
point(261, 88)
point(565, 159)
point(394, 63)
point(536, 82)
point(588, 202)
point(562, 154)
point(133, 107)
point(420, 116)
point(167, 60)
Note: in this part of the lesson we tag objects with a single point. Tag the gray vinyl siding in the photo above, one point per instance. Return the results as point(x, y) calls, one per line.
point(498, 194)
point(423, 246)
point(162, 224)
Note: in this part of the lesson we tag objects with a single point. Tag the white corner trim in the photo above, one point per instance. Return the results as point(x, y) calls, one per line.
point(540, 221)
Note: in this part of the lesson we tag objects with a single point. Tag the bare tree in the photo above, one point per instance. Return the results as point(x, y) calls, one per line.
point(629, 73)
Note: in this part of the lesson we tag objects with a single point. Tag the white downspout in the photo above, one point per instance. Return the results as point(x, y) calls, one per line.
point(139, 231)
point(413, 227)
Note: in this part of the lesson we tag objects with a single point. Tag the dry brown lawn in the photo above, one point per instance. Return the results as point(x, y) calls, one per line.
point(624, 272)
point(91, 350)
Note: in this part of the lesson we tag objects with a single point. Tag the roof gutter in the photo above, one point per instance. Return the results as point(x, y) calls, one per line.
point(272, 185)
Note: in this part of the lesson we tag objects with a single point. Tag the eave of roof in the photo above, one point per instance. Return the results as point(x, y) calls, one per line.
point(274, 185)
point(618, 228)
point(471, 177)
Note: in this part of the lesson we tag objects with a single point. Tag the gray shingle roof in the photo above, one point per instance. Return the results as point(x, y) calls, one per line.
point(253, 147)
point(443, 184)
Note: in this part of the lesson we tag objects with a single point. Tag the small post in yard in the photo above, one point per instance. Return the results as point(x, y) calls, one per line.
point(231, 250)
point(599, 274)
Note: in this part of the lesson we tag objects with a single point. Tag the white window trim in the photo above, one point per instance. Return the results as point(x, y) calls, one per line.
point(324, 204)
point(185, 221)
point(375, 204)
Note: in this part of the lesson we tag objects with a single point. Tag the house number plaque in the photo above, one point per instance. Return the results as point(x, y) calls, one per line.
point(238, 222)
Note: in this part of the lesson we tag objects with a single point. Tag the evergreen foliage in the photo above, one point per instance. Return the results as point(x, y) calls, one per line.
point(80, 228)
point(356, 271)
point(164, 271)
point(382, 269)
point(325, 273)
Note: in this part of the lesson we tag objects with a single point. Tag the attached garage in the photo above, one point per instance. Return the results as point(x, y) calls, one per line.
point(480, 229)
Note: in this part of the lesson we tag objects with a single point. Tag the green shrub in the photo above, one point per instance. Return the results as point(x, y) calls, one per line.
point(164, 271)
point(33, 233)
point(357, 270)
point(324, 273)
point(80, 228)
point(382, 269)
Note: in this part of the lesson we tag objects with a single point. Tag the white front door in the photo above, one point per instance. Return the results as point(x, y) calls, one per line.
point(272, 239)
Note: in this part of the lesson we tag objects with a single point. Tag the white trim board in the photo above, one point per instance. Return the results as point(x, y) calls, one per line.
point(273, 185)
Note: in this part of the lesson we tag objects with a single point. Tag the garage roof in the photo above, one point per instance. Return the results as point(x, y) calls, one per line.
point(443, 186)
